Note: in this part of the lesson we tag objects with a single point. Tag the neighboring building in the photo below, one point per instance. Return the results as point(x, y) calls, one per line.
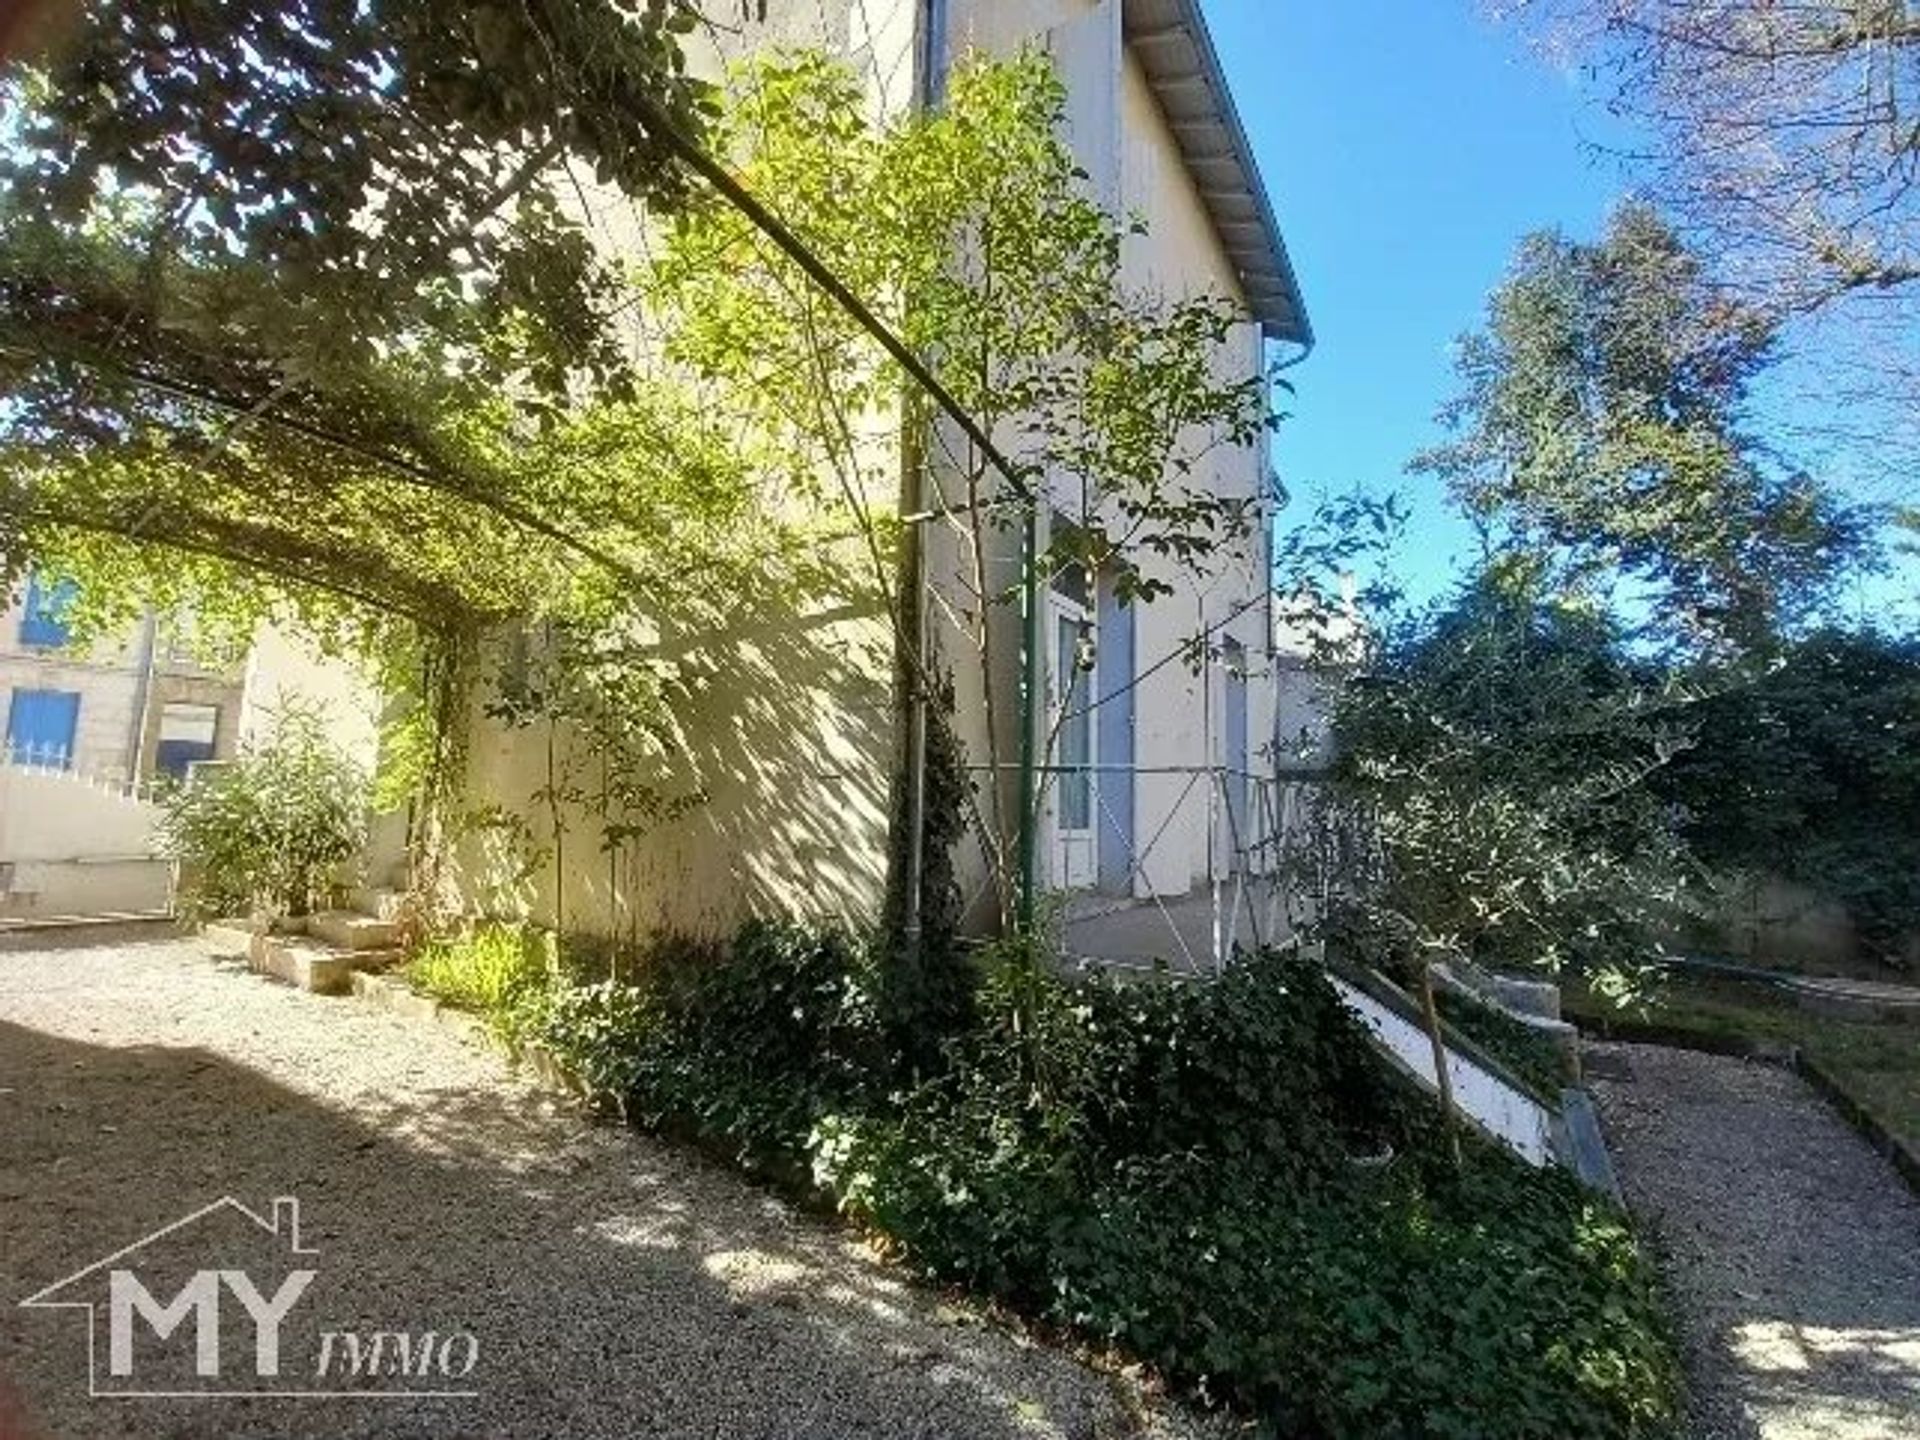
point(1168, 782)
point(88, 728)
point(123, 710)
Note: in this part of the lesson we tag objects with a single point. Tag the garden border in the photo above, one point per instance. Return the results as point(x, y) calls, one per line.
point(1857, 1113)
point(1865, 1121)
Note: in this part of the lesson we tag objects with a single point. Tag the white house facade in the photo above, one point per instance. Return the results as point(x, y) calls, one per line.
point(1156, 790)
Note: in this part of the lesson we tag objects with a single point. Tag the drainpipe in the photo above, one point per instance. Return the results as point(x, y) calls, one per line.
point(142, 699)
point(911, 694)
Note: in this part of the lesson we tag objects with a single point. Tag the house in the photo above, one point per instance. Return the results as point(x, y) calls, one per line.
point(89, 728)
point(144, 704)
point(124, 710)
point(1159, 777)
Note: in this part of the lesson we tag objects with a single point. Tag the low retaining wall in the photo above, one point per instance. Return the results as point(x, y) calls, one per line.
point(1496, 1103)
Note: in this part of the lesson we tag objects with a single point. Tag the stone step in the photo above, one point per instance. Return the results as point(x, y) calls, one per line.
point(395, 996)
point(379, 901)
point(350, 930)
point(310, 965)
point(228, 937)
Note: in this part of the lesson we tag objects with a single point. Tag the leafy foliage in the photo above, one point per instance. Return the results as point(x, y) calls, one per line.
point(390, 166)
point(1808, 768)
point(1168, 1168)
point(746, 1049)
point(1419, 1301)
point(1600, 429)
point(971, 232)
point(263, 831)
point(1500, 751)
point(487, 969)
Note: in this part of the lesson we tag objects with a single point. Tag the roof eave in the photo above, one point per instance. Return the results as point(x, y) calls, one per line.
point(1175, 50)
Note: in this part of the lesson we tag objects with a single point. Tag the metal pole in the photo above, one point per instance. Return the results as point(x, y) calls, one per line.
point(1032, 717)
point(1213, 775)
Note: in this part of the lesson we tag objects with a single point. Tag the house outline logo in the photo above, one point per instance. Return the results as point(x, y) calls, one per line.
point(199, 1302)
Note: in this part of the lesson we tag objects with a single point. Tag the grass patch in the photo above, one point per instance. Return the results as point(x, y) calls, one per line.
point(485, 970)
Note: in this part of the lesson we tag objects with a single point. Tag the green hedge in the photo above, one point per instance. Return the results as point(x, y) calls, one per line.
point(1196, 1173)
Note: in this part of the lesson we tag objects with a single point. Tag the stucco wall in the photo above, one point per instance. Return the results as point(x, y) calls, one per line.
point(52, 815)
point(796, 756)
point(788, 746)
point(285, 666)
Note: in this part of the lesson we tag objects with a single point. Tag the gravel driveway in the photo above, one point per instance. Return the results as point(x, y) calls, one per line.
point(615, 1285)
point(1795, 1248)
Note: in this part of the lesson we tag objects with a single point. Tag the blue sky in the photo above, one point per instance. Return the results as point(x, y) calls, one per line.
point(1407, 148)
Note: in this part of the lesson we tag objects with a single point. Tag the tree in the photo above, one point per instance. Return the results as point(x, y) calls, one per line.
point(1785, 141)
point(1787, 136)
point(1602, 431)
point(1499, 749)
point(970, 233)
point(1809, 769)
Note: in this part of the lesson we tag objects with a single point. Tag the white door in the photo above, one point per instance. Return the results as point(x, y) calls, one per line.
point(1074, 793)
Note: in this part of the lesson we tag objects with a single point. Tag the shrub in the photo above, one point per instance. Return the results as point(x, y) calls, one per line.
point(261, 832)
point(1170, 1168)
point(598, 1033)
point(488, 969)
point(1173, 1169)
point(1413, 1301)
point(747, 1048)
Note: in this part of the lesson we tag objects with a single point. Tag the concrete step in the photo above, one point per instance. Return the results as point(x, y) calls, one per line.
point(379, 901)
point(395, 996)
point(228, 937)
point(310, 965)
point(47, 931)
point(350, 930)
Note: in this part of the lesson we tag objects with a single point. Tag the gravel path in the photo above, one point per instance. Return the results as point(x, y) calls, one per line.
point(1795, 1248)
point(615, 1285)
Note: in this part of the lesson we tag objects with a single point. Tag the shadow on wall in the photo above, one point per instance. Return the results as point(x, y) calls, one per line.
point(784, 744)
point(615, 1286)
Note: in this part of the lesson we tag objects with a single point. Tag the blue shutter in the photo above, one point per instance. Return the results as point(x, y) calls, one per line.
point(43, 621)
point(41, 726)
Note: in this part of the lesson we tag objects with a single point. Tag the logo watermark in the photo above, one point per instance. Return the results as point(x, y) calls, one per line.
point(163, 1322)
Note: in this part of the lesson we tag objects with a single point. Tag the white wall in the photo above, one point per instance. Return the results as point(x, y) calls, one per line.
point(1508, 1114)
point(285, 667)
point(57, 815)
point(71, 845)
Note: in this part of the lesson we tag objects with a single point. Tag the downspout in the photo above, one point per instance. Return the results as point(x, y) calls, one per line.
point(1273, 653)
point(911, 688)
point(142, 699)
point(1032, 711)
